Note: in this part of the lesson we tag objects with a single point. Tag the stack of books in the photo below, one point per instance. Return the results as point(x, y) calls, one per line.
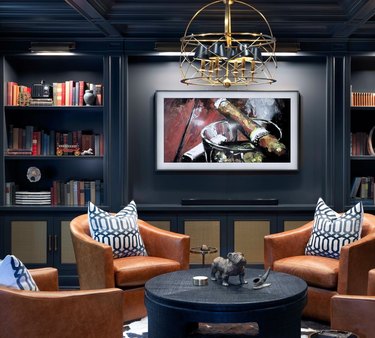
point(41, 102)
point(363, 99)
point(67, 93)
point(33, 197)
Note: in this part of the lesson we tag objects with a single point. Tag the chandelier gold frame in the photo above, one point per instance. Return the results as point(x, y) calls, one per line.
point(228, 58)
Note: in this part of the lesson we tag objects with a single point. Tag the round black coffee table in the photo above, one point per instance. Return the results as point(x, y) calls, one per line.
point(175, 306)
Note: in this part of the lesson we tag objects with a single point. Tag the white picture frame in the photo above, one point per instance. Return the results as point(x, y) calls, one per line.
point(195, 132)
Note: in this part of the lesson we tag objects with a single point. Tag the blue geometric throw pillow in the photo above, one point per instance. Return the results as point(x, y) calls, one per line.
point(120, 231)
point(14, 274)
point(331, 231)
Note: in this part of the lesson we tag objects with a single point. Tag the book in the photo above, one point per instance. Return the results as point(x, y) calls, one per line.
point(41, 102)
point(355, 187)
point(67, 93)
point(10, 92)
point(57, 94)
point(81, 189)
point(99, 94)
point(36, 143)
point(15, 92)
point(81, 92)
point(87, 142)
point(29, 137)
point(10, 188)
point(18, 152)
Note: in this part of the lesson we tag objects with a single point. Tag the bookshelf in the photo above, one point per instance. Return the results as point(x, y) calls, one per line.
point(38, 208)
point(59, 136)
point(362, 126)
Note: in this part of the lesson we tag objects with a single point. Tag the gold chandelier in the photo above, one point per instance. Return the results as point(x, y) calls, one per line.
point(227, 58)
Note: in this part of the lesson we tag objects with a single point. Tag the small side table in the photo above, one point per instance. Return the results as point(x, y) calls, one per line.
point(203, 250)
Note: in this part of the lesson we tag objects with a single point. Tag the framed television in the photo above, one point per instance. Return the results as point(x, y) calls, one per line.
point(227, 130)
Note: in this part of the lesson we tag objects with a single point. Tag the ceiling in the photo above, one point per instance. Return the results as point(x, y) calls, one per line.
point(144, 24)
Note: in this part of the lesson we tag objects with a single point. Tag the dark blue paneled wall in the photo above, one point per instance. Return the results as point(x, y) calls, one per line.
point(307, 76)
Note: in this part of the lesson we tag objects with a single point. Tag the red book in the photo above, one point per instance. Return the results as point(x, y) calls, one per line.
point(81, 92)
point(10, 89)
point(101, 145)
point(87, 142)
point(75, 137)
point(15, 92)
point(36, 143)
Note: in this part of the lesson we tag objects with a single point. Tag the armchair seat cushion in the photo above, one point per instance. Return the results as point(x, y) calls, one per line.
point(137, 270)
point(315, 270)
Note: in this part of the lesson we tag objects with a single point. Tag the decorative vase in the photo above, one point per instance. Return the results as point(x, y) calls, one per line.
point(89, 97)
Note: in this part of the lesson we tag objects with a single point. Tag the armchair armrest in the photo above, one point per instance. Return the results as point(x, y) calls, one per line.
point(94, 259)
point(45, 278)
point(165, 244)
point(61, 314)
point(356, 259)
point(286, 244)
point(353, 313)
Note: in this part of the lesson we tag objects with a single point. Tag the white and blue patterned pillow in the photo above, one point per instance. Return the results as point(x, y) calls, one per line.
point(331, 231)
point(120, 231)
point(14, 274)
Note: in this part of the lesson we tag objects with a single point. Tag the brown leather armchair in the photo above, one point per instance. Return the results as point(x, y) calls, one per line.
point(326, 277)
point(167, 251)
point(355, 313)
point(59, 314)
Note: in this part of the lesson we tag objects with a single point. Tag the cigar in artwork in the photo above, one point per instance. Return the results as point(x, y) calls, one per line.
point(256, 133)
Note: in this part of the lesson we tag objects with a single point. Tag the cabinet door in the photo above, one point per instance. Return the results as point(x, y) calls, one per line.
point(31, 241)
point(294, 224)
point(62, 243)
point(249, 239)
point(203, 232)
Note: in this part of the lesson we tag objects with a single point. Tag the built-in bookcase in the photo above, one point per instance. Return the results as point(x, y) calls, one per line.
point(42, 149)
point(362, 131)
point(51, 136)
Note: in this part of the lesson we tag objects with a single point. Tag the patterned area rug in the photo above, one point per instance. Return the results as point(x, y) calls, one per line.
point(138, 329)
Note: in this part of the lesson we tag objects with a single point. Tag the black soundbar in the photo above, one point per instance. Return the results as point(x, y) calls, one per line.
point(254, 201)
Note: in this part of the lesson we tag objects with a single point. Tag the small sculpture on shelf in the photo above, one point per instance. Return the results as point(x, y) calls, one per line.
point(63, 149)
point(33, 174)
point(233, 265)
point(24, 98)
point(88, 152)
point(89, 97)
